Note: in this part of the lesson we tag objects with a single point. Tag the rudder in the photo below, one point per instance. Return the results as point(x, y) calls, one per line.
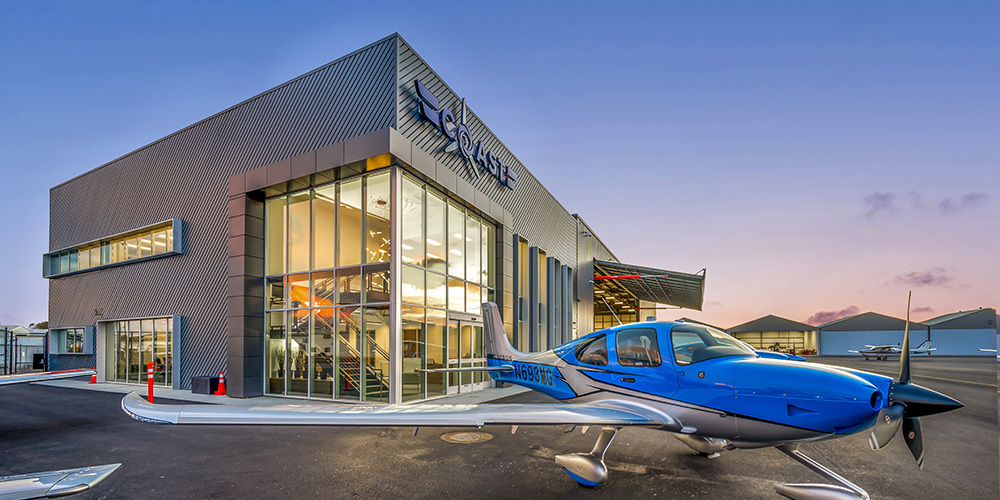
point(495, 339)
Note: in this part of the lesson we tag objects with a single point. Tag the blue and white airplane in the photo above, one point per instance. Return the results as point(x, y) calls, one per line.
point(707, 388)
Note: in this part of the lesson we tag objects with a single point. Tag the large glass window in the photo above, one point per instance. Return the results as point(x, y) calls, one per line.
point(456, 241)
point(377, 218)
point(324, 236)
point(414, 341)
point(138, 343)
point(412, 227)
point(437, 234)
point(327, 287)
point(349, 223)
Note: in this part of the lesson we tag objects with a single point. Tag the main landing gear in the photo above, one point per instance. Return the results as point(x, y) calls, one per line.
point(846, 491)
point(588, 469)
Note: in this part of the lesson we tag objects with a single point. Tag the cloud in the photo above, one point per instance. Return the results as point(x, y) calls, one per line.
point(934, 276)
point(885, 202)
point(822, 317)
point(967, 201)
point(879, 202)
point(714, 303)
point(925, 309)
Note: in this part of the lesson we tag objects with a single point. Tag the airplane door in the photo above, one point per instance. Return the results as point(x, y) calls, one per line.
point(641, 363)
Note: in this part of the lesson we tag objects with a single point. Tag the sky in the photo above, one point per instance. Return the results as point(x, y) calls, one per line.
point(818, 159)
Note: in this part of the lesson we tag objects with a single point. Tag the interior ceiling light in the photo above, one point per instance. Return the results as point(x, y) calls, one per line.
point(432, 242)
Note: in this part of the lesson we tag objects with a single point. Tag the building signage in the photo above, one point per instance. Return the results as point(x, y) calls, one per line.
point(461, 138)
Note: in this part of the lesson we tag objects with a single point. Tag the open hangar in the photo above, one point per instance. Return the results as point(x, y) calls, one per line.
point(960, 333)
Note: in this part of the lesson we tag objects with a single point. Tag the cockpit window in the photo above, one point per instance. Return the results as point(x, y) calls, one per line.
point(593, 351)
point(638, 347)
point(693, 344)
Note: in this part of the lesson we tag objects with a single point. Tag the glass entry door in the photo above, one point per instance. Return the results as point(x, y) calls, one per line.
point(465, 349)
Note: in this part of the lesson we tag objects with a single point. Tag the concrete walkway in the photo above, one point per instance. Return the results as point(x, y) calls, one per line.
point(482, 396)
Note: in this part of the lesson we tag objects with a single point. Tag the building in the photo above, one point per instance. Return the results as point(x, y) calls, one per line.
point(777, 334)
point(327, 239)
point(963, 332)
point(841, 336)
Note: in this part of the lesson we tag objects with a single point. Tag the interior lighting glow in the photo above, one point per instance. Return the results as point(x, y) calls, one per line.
point(432, 242)
point(455, 251)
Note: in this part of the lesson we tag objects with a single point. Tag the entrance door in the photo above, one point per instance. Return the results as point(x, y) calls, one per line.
point(465, 350)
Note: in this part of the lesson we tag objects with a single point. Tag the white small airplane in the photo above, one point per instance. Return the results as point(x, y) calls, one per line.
point(56, 483)
point(883, 352)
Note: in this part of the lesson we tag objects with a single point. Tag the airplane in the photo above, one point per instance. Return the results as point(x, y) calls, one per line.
point(706, 388)
point(56, 483)
point(883, 352)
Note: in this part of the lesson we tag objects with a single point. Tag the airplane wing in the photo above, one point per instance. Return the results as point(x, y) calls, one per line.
point(402, 415)
point(24, 378)
point(55, 483)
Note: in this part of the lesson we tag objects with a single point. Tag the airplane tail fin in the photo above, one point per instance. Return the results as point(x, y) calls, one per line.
point(495, 339)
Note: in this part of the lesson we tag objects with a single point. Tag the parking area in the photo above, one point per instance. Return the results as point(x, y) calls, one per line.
point(45, 428)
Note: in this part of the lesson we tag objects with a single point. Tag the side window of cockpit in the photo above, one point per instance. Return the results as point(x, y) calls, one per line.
point(593, 351)
point(685, 343)
point(638, 347)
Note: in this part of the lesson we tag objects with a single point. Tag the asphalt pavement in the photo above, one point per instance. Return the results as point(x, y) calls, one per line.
point(47, 428)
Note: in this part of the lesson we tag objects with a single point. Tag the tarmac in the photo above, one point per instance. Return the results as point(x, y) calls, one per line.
point(57, 426)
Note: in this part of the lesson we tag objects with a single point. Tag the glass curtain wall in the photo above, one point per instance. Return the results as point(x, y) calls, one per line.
point(138, 342)
point(327, 290)
point(447, 266)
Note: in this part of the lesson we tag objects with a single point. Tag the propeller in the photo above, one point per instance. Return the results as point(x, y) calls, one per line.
point(906, 402)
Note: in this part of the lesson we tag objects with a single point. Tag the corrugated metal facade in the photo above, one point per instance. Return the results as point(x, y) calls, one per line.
point(184, 176)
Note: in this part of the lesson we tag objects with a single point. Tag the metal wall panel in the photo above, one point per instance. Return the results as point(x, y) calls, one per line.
point(536, 214)
point(184, 176)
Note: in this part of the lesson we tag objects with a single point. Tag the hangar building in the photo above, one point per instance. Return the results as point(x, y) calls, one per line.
point(777, 334)
point(327, 239)
point(963, 332)
point(870, 328)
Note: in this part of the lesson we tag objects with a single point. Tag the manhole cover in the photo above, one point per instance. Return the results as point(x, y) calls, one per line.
point(467, 437)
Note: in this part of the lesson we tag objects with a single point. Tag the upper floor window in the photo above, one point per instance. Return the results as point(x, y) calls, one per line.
point(593, 351)
point(146, 242)
point(638, 347)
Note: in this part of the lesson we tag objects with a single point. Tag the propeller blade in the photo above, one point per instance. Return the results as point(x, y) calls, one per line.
point(886, 426)
point(904, 355)
point(914, 439)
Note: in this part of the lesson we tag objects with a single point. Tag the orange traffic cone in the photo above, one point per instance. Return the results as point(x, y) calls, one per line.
point(222, 386)
point(93, 378)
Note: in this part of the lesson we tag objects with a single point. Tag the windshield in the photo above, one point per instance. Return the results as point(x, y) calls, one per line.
point(696, 343)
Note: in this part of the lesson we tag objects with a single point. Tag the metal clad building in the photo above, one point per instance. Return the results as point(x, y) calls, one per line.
point(777, 334)
point(963, 332)
point(870, 328)
point(325, 239)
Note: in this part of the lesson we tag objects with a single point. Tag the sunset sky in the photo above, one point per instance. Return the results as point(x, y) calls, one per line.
point(818, 159)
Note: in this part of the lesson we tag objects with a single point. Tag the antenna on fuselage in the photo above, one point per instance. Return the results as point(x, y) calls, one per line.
point(612, 310)
point(904, 357)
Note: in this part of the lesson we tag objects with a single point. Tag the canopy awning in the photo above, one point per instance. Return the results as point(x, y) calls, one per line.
point(654, 285)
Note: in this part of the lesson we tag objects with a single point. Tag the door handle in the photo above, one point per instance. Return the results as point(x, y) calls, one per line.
point(629, 380)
